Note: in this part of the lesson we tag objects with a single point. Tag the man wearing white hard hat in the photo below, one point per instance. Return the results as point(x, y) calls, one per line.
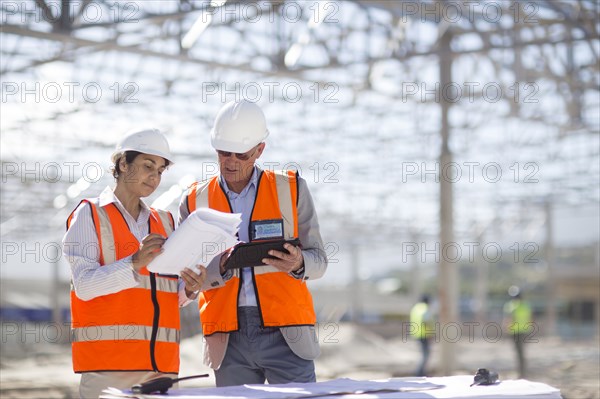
point(258, 322)
point(125, 320)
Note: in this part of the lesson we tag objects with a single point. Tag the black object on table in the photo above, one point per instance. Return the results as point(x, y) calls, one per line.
point(160, 384)
point(485, 377)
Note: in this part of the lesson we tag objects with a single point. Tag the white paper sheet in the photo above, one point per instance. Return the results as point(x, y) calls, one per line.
point(202, 236)
point(396, 388)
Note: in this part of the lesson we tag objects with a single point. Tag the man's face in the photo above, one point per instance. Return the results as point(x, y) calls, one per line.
point(237, 168)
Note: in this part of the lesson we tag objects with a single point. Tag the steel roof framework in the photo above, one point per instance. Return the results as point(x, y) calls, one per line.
point(518, 92)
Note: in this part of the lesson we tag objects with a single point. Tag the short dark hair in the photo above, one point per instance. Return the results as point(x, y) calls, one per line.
point(129, 158)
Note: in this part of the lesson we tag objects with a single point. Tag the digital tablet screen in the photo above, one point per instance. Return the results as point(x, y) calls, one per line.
point(252, 253)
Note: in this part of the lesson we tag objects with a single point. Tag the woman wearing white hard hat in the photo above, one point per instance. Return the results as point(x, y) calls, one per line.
point(125, 319)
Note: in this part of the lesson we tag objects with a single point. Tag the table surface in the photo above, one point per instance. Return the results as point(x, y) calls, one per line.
point(396, 388)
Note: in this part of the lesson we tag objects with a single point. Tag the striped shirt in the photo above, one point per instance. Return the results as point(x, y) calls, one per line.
point(81, 249)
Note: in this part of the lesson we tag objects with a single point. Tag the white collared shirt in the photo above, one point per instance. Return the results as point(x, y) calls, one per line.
point(81, 249)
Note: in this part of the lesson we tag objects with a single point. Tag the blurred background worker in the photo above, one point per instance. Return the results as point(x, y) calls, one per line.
point(518, 321)
point(422, 328)
point(125, 320)
point(258, 323)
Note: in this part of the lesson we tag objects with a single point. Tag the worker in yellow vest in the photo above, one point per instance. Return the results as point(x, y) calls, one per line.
point(422, 329)
point(518, 321)
point(258, 322)
point(125, 320)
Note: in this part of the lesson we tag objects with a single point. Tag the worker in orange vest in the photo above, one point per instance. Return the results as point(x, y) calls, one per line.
point(258, 322)
point(125, 320)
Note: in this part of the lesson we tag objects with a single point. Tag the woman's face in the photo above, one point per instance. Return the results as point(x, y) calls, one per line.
point(142, 176)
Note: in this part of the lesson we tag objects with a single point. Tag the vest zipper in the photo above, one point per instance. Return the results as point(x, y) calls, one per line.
point(241, 273)
point(154, 322)
point(260, 314)
point(259, 180)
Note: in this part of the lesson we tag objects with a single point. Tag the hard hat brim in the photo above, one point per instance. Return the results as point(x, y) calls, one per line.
point(235, 146)
point(116, 154)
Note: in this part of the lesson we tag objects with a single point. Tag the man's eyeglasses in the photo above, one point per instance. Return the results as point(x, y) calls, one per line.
point(242, 157)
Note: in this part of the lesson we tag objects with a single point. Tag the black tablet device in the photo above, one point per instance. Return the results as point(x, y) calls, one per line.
point(252, 253)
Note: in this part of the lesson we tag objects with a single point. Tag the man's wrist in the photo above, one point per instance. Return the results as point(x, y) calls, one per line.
point(227, 274)
point(300, 271)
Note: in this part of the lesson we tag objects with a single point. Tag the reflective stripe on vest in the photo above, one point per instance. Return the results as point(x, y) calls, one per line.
point(122, 333)
point(282, 299)
point(136, 329)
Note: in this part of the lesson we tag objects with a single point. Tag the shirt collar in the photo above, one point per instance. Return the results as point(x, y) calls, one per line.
point(252, 183)
point(108, 197)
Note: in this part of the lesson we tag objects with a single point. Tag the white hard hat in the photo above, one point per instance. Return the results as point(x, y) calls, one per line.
point(147, 141)
point(239, 126)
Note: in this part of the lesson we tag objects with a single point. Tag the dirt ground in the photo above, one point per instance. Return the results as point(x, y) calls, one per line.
point(43, 370)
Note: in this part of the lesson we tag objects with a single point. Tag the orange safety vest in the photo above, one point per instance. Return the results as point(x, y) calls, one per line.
point(136, 329)
point(282, 299)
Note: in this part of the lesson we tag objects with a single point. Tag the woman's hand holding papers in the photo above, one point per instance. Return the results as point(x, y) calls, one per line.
point(193, 281)
point(150, 248)
point(197, 240)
